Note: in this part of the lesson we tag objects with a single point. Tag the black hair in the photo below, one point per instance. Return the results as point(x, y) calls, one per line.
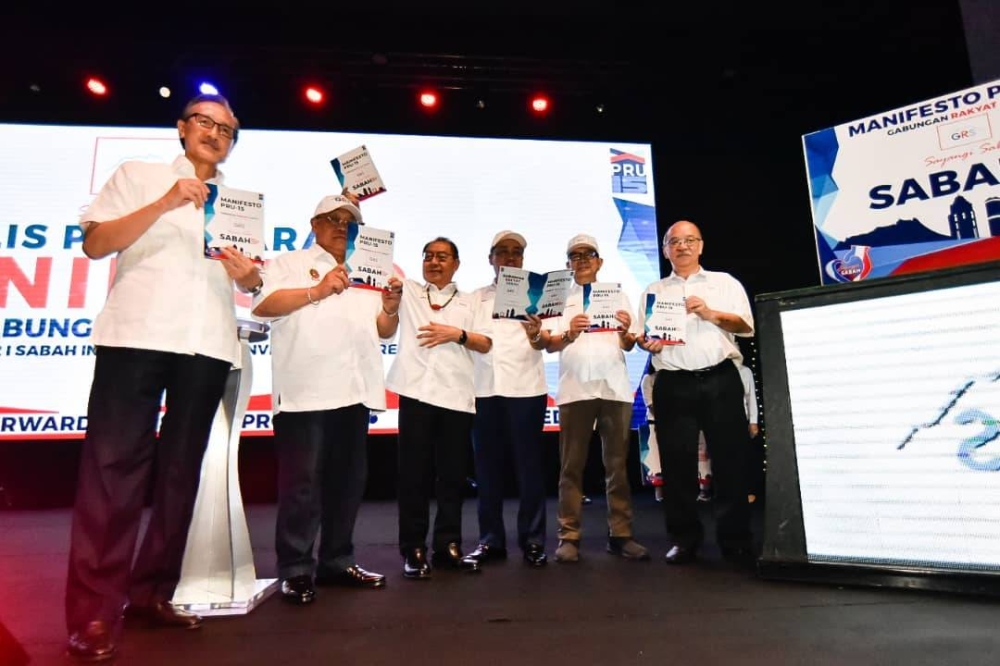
point(215, 99)
point(442, 239)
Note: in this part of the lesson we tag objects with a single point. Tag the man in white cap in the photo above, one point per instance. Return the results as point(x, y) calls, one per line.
point(593, 386)
point(511, 396)
point(327, 377)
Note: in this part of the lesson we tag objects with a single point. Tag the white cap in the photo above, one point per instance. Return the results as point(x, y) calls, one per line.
point(582, 239)
point(504, 235)
point(335, 201)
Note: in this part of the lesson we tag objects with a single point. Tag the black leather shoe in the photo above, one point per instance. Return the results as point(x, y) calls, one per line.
point(452, 558)
point(92, 644)
point(681, 555)
point(486, 553)
point(534, 555)
point(415, 565)
point(164, 614)
point(352, 576)
point(298, 590)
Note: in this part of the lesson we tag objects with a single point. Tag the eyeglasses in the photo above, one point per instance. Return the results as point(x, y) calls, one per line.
point(207, 123)
point(336, 221)
point(440, 256)
point(686, 242)
point(576, 257)
point(504, 252)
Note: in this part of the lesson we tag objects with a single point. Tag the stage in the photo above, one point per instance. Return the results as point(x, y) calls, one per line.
point(602, 611)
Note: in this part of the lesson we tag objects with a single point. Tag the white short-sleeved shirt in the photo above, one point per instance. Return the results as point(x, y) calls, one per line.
point(706, 344)
point(593, 366)
point(325, 356)
point(749, 394)
point(441, 375)
point(511, 369)
point(166, 296)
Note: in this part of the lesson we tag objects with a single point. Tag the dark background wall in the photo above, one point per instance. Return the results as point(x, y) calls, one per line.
point(723, 92)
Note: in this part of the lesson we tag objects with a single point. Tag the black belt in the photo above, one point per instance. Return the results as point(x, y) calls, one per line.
point(702, 372)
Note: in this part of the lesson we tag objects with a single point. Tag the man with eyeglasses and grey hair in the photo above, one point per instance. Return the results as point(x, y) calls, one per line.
point(327, 374)
point(698, 388)
point(594, 387)
point(168, 328)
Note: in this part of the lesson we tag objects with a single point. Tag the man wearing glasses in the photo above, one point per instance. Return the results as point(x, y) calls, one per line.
point(698, 388)
point(511, 395)
point(593, 386)
point(433, 375)
point(327, 377)
point(168, 327)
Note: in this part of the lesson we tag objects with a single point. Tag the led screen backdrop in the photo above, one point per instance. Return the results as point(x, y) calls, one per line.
point(908, 190)
point(463, 188)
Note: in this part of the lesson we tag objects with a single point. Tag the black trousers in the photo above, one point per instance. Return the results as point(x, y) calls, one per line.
point(710, 401)
point(322, 469)
point(434, 447)
point(120, 452)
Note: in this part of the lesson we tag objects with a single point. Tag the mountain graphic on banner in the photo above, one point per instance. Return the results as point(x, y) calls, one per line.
point(903, 232)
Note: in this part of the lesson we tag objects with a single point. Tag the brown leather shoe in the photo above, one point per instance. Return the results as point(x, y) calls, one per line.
point(92, 644)
point(164, 614)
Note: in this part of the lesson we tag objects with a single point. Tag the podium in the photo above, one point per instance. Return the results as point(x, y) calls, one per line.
point(218, 575)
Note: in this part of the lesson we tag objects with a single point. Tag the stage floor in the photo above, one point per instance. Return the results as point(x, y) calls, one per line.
point(602, 611)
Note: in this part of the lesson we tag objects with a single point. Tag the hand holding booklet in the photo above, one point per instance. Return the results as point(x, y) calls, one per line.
point(521, 293)
point(368, 257)
point(665, 319)
point(234, 218)
point(601, 303)
point(357, 173)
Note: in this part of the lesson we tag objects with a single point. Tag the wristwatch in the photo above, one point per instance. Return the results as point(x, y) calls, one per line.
point(462, 339)
point(256, 290)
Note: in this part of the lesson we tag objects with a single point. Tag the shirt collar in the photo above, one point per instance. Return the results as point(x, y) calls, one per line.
point(182, 166)
point(698, 276)
point(449, 288)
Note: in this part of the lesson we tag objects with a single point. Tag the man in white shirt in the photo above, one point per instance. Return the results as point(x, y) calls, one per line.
point(593, 386)
point(168, 327)
point(433, 375)
point(511, 396)
point(327, 378)
point(698, 388)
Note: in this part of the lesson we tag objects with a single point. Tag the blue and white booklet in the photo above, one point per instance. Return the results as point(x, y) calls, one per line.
point(234, 218)
point(521, 293)
point(665, 319)
point(368, 258)
point(356, 172)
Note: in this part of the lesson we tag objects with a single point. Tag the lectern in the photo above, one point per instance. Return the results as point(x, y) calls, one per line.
point(218, 575)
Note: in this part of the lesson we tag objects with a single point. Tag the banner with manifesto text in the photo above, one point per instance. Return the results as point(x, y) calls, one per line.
point(908, 190)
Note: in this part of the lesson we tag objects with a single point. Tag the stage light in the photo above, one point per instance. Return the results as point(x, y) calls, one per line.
point(539, 103)
point(164, 92)
point(480, 104)
point(96, 86)
point(599, 108)
point(207, 88)
point(35, 88)
point(314, 95)
point(428, 99)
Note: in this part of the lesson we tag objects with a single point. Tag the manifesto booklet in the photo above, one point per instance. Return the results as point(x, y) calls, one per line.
point(601, 300)
point(665, 319)
point(357, 173)
point(521, 293)
point(368, 257)
point(234, 218)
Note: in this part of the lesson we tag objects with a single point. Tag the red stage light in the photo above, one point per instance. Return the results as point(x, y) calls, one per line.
point(540, 103)
point(96, 86)
point(314, 95)
point(428, 99)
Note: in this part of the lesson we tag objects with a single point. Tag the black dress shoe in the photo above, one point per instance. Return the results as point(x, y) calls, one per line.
point(486, 553)
point(681, 555)
point(534, 555)
point(162, 613)
point(352, 576)
point(298, 590)
point(92, 644)
point(415, 566)
point(452, 558)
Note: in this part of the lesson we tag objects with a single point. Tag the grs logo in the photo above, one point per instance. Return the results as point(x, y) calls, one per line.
point(855, 266)
point(628, 173)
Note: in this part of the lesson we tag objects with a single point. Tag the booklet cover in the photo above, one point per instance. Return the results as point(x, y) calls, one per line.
point(234, 218)
point(665, 319)
point(600, 302)
point(521, 293)
point(368, 258)
point(356, 171)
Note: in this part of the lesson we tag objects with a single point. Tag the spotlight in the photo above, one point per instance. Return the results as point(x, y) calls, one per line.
point(480, 104)
point(428, 99)
point(599, 108)
point(164, 92)
point(97, 87)
point(540, 104)
point(314, 95)
point(35, 88)
point(207, 88)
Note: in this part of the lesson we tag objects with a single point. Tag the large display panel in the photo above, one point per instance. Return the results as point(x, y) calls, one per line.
point(466, 189)
point(882, 402)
